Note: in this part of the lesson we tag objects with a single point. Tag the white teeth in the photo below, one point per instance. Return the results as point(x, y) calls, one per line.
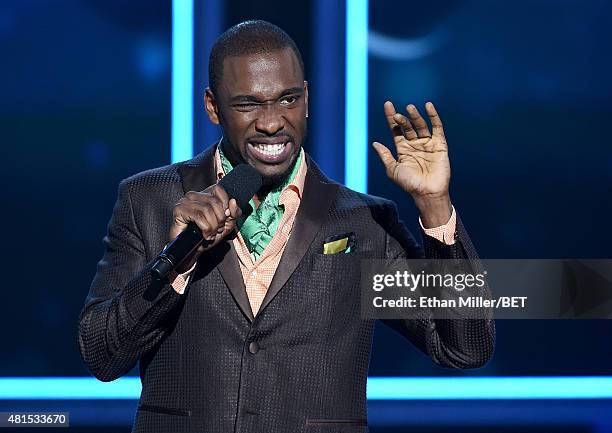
point(270, 149)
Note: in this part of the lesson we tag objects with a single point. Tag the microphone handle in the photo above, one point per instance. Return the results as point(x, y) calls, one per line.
point(178, 250)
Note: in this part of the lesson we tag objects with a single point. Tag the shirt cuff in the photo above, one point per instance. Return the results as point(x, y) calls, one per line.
point(180, 281)
point(445, 233)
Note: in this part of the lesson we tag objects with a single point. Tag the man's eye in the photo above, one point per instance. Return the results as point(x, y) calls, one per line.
point(289, 100)
point(245, 107)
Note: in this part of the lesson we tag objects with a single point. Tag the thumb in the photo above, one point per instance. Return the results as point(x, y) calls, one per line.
point(385, 156)
point(234, 211)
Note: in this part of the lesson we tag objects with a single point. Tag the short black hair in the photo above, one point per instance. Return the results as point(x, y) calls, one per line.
point(245, 38)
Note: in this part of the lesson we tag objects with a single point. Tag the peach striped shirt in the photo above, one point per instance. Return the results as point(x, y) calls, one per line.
point(258, 274)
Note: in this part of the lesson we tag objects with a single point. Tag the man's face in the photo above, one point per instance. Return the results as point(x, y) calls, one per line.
point(261, 105)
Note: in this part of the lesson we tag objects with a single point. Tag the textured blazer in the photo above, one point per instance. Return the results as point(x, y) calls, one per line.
point(206, 364)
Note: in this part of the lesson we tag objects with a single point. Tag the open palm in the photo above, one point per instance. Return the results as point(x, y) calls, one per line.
point(422, 167)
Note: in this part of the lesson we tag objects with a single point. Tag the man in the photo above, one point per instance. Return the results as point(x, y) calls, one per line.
point(261, 331)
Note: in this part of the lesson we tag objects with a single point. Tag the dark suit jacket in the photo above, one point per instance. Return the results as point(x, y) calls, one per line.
point(206, 364)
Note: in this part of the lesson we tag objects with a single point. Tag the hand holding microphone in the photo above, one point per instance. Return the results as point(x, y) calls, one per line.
point(203, 219)
point(214, 214)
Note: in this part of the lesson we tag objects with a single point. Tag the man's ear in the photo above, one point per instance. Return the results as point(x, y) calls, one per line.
point(306, 96)
point(210, 104)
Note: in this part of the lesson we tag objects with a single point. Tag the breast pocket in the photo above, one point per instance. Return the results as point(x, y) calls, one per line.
point(342, 266)
point(163, 419)
point(337, 426)
point(163, 410)
point(339, 273)
point(337, 279)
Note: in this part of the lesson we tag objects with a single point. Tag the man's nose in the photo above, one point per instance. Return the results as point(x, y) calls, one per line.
point(270, 121)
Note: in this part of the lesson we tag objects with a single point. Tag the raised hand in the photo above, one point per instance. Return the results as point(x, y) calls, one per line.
point(422, 167)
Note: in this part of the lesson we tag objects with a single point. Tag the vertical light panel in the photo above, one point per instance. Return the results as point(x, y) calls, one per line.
point(182, 80)
point(356, 108)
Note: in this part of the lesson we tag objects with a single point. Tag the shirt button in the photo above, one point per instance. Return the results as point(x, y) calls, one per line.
point(253, 347)
point(254, 273)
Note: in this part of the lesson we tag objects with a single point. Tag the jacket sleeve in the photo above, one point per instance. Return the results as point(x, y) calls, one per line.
point(126, 312)
point(455, 343)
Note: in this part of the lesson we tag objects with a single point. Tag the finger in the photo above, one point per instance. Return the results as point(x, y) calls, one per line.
point(216, 205)
point(235, 211)
point(208, 198)
point(386, 157)
point(187, 213)
point(436, 122)
point(204, 220)
point(180, 216)
point(210, 213)
point(221, 194)
point(417, 121)
point(403, 121)
point(396, 129)
point(230, 222)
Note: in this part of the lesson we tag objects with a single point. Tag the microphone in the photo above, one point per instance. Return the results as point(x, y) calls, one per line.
point(240, 184)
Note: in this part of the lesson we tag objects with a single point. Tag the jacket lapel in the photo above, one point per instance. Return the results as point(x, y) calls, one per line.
point(198, 174)
point(319, 193)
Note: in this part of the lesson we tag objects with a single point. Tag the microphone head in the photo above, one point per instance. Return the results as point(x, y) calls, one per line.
point(241, 184)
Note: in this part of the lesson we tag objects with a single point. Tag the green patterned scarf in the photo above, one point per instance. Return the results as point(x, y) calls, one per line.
point(259, 227)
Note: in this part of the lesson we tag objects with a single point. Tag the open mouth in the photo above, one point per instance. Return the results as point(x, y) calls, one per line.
point(270, 153)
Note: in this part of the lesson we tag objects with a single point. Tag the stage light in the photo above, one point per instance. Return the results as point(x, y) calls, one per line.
point(356, 96)
point(182, 80)
point(379, 388)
